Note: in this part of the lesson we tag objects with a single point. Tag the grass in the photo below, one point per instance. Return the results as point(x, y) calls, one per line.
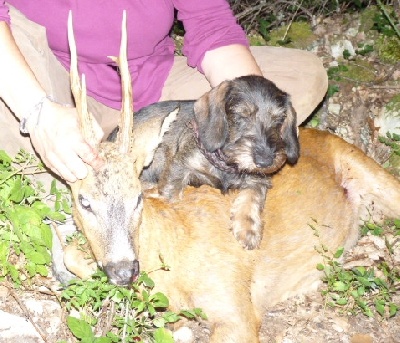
point(369, 290)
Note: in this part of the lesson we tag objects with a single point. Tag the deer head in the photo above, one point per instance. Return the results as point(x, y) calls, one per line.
point(108, 203)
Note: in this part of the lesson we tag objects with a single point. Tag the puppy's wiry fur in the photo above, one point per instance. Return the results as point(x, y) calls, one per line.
point(234, 137)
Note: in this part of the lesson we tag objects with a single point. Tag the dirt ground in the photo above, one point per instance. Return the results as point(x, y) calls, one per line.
point(351, 113)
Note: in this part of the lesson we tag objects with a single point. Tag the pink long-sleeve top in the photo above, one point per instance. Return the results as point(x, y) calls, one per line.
point(209, 24)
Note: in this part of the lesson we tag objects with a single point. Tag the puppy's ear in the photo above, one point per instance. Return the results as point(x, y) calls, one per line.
point(289, 135)
point(210, 116)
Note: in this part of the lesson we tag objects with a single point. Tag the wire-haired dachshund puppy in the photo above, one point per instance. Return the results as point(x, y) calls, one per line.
point(234, 137)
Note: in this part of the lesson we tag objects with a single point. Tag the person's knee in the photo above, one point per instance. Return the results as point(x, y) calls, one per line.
point(321, 75)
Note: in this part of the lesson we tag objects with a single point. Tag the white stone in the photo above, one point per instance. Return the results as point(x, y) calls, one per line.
point(388, 122)
point(183, 335)
point(16, 329)
point(340, 46)
point(334, 108)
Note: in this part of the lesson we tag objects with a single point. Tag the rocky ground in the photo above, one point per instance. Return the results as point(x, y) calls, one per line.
point(363, 104)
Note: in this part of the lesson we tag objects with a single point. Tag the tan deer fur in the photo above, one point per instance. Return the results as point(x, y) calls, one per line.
point(331, 188)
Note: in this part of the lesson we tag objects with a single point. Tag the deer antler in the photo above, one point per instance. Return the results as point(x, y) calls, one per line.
point(126, 124)
point(90, 130)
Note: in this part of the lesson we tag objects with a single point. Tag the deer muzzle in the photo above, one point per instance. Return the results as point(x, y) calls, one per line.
point(122, 273)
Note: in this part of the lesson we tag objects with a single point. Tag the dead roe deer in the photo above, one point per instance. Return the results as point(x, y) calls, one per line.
point(332, 187)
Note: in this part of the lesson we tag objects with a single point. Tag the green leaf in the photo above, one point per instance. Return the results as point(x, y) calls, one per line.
point(159, 322)
point(117, 297)
point(103, 340)
point(66, 206)
point(22, 216)
point(314, 122)
point(41, 208)
point(53, 187)
point(56, 216)
point(5, 159)
point(146, 280)
point(340, 286)
point(35, 257)
point(361, 271)
point(14, 273)
point(393, 308)
point(380, 307)
point(31, 269)
point(79, 328)
point(42, 270)
point(171, 317)
point(162, 335)
point(17, 192)
point(355, 294)
point(159, 300)
point(339, 252)
point(140, 307)
point(320, 267)
point(368, 312)
point(47, 236)
point(4, 250)
point(341, 301)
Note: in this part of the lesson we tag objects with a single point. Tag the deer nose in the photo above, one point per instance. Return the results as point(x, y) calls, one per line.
point(122, 273)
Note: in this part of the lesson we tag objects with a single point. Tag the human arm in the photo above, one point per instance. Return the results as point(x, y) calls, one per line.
point(241, 62)
point(214, 42)
point(55, 135)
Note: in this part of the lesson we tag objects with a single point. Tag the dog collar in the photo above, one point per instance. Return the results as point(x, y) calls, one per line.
point(217, 158)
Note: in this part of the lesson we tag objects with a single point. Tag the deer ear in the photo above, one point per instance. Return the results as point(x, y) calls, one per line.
point(145, 142)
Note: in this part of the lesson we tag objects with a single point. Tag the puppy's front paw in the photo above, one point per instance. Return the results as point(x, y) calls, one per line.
point(246, 222)
point(247, 231)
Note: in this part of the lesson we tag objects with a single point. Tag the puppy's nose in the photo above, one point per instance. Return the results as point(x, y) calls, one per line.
point(264, 161)
point(122, 273)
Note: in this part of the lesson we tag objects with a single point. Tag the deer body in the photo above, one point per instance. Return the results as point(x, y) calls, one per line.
point(331, 188)
point(209, 269)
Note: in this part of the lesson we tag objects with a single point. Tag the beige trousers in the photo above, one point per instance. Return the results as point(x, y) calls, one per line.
point(298, 72)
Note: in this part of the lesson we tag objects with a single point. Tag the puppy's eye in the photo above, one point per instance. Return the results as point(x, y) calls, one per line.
point(246, 110)
point(85, 203)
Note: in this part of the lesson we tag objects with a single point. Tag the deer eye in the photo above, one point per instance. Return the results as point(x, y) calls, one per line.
point(139, 200)
point(85, 203)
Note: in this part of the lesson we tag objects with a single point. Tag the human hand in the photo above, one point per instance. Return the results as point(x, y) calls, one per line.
point(57, 139)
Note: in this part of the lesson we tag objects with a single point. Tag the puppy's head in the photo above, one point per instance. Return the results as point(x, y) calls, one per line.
point(251, 121)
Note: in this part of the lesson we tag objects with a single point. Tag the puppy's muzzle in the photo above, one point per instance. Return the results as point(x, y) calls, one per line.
point(269, 165)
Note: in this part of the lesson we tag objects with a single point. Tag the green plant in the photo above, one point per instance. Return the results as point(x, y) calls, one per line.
point(364, 49)
point(265, 26)
point(25, 218)
point(359, 289)
point(393, 141)
point(385, 22)
point(334, 73)
point(133, 314)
